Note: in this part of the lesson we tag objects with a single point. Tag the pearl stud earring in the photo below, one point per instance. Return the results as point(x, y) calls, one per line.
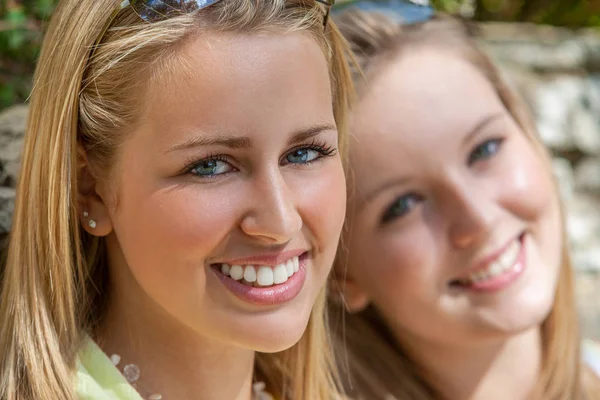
point(86, 214)
point(92, 223)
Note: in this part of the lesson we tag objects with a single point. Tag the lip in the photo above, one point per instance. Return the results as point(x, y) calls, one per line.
point(504, 280)
point(486, 261)
point(267, 296)
point(270, 260)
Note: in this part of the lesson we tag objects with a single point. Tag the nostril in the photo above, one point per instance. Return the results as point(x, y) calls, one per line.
point(456, 283)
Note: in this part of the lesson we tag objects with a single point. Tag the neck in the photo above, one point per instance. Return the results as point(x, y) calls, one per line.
point(492, 370)
point(175, 361)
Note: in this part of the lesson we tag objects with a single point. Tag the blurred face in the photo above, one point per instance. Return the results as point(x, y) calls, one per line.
point(454, 224)
point(230, 195)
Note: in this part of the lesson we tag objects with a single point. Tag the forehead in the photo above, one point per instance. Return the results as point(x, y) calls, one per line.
point(424, 98)
point(426, 93)
point(233, 81)
point(415, 114)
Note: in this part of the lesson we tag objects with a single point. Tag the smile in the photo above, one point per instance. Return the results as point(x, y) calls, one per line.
point(264, 275)
point(263, 284)
point(499, 272)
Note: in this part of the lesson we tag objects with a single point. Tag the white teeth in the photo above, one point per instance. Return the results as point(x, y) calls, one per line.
point(236, 272)
point(496, 268)
point(250, 274)
point(225, 269)
point(265, 276)
point(280, 274)
point(504, 263)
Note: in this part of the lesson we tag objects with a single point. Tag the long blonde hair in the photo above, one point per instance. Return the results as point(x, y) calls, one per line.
point(376, 364)
point(86, 93)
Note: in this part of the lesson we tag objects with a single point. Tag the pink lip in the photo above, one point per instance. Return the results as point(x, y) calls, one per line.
point(506, 279)
point(265, 259)
point(268, 296)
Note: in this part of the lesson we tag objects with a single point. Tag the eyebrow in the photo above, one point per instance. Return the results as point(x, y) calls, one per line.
point(244, 142)
point(391, 183)
point(311, 131)
point(233, 142)
point(482, 124)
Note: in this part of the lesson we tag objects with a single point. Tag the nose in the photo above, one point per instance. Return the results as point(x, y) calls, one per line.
point(471, 215)
point(273, 216)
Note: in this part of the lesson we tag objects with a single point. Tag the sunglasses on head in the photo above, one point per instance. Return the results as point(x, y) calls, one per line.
point(159, 10)
point(403, 11)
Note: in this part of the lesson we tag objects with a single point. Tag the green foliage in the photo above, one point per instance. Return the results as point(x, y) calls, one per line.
point(21, 26)
point(569, 13)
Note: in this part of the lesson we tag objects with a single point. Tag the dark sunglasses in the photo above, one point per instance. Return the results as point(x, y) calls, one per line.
point(159, 10)
point(403, 11)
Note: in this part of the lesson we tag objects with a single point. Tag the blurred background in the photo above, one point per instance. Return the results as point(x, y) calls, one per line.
point(548, 50)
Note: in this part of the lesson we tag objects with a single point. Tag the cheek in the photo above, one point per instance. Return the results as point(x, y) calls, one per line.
point(189, 217)
point(395, 268)
point(166, 233)
point(321, 202)
point(531, 195)
point(527, 185)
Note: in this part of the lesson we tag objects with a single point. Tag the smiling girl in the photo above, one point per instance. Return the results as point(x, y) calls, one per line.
point(455, 271)
point(179, 206)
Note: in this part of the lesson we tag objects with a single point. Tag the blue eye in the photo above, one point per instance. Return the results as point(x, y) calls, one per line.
point(302, 156)
point(309, 153)
point(485, 150)
point(210, 167)
point(400, 207)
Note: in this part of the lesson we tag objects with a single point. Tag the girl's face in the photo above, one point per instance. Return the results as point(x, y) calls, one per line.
point(230, 194)
point(455, 229)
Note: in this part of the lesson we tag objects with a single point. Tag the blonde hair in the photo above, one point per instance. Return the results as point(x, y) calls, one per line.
point(86, 93)
point(377, 365)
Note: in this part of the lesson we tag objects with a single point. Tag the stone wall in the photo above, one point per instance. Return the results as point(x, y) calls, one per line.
point(557, 72)
point(12, 126)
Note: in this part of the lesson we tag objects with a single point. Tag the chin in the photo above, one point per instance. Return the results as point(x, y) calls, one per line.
point(276, 338)
point(522, 316)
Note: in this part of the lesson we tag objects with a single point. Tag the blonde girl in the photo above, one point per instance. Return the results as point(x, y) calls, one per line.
point(455, 271)
point(179, 205)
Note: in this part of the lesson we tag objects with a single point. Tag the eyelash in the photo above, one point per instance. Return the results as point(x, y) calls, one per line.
point(192, 162)
point(389, 215)
point(498, 142)
point(320, 147)
point(323, 148)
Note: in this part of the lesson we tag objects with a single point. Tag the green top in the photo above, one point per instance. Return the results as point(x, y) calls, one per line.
point(98, 378)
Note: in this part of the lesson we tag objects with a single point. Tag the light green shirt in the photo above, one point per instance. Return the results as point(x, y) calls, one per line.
point(98, 378)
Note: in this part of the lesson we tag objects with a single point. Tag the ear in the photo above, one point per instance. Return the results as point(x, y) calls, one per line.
point(346, 291)
point(93, 212)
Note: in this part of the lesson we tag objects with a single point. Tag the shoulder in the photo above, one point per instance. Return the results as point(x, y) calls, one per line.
point(98, 379)
point(591, 355)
